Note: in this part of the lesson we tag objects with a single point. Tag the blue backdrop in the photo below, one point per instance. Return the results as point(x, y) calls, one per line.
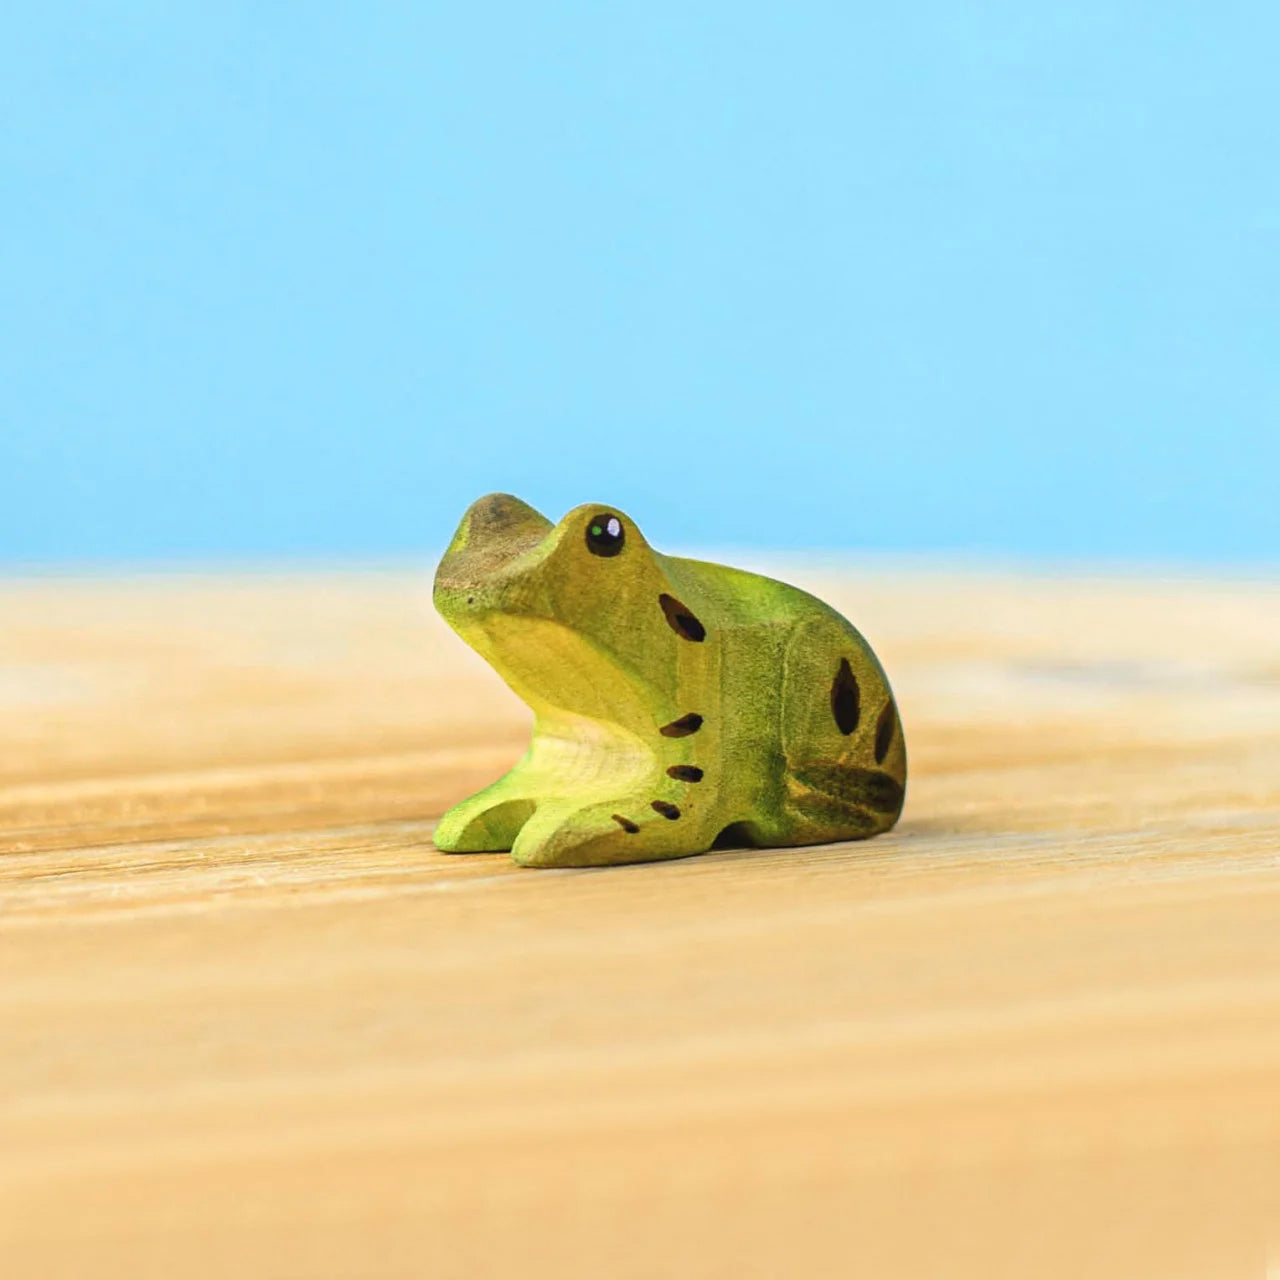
point(304, 279)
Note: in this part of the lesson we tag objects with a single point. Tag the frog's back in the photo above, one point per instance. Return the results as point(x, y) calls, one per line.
point(803, 683)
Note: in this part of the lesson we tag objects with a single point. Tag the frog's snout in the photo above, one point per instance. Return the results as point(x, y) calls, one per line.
point(494, 531)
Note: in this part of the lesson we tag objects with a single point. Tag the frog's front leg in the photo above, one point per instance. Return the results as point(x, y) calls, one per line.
point(643, 826)
point(490, 820)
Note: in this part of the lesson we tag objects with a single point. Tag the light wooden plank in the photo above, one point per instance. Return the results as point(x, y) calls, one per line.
point(252, 1023)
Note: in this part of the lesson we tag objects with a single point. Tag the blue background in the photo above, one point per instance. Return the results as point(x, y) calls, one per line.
point(303, 280)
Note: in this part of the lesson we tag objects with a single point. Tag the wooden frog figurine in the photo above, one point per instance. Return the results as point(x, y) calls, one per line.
point(677, 705)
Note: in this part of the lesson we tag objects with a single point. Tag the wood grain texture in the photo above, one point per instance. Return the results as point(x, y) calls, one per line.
point(251, 1023)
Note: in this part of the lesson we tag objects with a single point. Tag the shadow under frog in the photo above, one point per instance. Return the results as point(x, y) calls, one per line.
point(678, 705)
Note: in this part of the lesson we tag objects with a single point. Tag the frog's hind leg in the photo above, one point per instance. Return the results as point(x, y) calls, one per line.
point(840, 801)
point(490, 820)
point(846, 763)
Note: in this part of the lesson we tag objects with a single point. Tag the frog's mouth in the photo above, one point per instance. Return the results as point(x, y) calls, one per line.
point(497, 539)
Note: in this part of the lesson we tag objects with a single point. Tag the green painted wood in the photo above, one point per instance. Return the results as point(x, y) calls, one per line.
point(677, 704)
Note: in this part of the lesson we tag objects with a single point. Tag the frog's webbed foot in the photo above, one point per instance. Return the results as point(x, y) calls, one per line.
point(487, 822)
point(568, 833)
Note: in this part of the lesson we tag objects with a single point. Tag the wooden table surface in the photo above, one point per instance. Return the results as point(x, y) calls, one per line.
point(253, 1024)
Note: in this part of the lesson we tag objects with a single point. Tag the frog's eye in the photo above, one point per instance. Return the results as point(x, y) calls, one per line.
point(605, 535)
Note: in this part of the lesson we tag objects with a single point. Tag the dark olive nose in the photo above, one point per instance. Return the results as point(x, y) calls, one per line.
point(493, 531)
point(502, 515)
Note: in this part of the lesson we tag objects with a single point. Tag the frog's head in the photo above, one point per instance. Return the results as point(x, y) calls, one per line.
point(548, 604)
